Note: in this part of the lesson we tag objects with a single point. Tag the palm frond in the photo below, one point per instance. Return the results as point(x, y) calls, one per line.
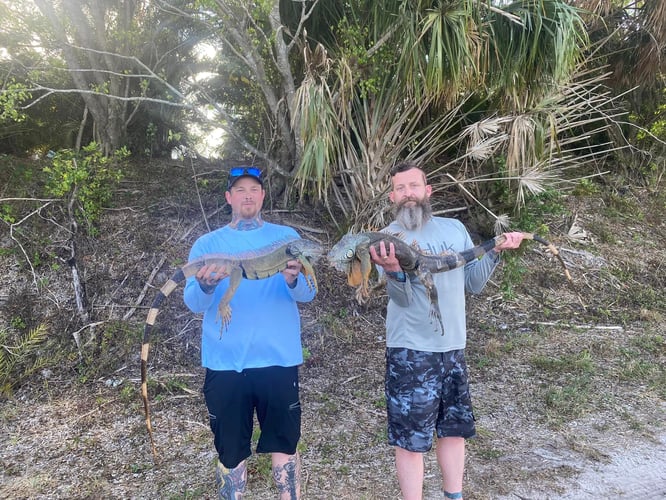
point(13, 357)
point(450, 35)
point(535, 54)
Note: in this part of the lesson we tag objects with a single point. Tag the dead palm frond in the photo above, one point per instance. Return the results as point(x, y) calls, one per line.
point(521, 151)
point(353, 138)
point(485, 137)
point(543, 146)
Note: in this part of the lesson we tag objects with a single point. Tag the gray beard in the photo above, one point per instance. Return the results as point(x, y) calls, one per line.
point(413, 218)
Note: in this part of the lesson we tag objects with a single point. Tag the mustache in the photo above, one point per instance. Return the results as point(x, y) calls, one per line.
point(404, 201)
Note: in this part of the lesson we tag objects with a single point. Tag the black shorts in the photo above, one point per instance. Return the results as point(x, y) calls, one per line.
point(427, 391)
point(232, 398)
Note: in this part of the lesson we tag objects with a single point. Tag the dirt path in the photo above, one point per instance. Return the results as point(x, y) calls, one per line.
point(637, 472)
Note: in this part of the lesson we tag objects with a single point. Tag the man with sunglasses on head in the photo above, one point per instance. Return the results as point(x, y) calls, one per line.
point(253, 365)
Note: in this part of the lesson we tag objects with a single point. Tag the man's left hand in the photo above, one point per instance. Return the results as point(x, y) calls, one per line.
point(291, 272)
point(511, 241)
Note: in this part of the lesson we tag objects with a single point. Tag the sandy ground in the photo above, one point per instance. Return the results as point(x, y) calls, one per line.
point(639, 471)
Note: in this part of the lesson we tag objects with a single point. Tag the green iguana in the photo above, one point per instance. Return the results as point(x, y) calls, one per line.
point(256, 264)
point(351, 255)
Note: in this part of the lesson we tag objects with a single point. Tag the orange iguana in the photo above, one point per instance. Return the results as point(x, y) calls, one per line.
point(351, 255)
point(256, 264)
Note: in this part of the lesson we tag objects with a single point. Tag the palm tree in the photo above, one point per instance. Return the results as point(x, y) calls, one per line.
point(629, 37)
point(425, 73)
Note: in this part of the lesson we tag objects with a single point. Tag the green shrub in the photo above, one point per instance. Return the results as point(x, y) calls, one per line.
point(86, 177)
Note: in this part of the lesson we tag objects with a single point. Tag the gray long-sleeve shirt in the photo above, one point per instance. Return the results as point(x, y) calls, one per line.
point(409, 323)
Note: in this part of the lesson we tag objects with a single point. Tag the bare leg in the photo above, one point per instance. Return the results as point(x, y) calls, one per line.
point(409, 465)
point(451, 458)
point(287, 475)
point(231, 482)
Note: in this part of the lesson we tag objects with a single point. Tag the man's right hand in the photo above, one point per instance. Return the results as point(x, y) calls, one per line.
point(385, 257)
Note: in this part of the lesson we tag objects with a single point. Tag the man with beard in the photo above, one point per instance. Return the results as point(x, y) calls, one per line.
point(426, 382)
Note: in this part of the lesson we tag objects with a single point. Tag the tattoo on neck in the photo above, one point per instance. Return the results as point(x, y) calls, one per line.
point(288, 478)
point(246, 224)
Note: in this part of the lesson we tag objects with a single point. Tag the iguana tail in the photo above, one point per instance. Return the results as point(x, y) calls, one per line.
point(178, 277)
point(552, 248)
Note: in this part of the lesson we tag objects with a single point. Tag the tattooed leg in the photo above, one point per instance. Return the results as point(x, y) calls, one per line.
point(231, 482)
point(287, 475)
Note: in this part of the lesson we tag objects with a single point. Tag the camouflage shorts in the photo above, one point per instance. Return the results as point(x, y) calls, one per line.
point(427, 391)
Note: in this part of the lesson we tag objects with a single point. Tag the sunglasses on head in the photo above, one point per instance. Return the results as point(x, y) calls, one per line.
point(238, 171)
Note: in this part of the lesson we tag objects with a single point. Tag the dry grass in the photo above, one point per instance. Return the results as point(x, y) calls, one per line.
point(560, 387)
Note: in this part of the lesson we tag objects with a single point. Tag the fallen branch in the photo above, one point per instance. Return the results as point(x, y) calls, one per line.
point(581, 327)
point(138, 301)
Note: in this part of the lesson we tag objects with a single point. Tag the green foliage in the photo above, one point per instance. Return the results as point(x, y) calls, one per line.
point(370, 68)
point(585, 187)
point(7, 213)
point(88, 177)
point(512, 274)
point(657, 128)
point(306, 354)
point(538, 207)
point(569, 399)
point(17, 360)
point(531, 219)
point(11, 97)
point(580, 362)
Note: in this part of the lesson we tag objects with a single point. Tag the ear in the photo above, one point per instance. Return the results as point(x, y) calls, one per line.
point(428, 190)
point(227, 196)
point(391, 196)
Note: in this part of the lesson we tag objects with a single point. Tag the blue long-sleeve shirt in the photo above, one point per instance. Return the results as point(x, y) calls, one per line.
point(408, 320)
point(265, 325)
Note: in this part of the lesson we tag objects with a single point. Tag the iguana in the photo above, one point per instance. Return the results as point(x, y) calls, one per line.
point(351, 255)
point(256, 264)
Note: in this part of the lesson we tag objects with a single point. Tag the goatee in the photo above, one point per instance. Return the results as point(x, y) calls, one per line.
point(413, 217)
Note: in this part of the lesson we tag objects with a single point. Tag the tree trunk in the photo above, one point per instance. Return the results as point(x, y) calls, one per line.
point(107, 113)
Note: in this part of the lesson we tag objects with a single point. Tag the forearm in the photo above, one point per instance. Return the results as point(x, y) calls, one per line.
point(479, 272)
point(197, 299)
point(302, 290)
point(399, 291)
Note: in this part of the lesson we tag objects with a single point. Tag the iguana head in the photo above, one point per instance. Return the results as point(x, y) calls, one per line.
point(311, 250)
point(345, 257)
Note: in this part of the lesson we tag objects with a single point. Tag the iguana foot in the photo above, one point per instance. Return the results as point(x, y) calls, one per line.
point(224, 315)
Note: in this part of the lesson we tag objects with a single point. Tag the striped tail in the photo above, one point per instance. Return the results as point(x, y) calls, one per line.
point(178, 277)
point(552, 249)
point(462, 258)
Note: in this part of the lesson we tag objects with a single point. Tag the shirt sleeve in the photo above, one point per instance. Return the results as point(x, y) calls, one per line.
point(304, 291)
point(400, 292)
point(194, 297)
point(479, 271)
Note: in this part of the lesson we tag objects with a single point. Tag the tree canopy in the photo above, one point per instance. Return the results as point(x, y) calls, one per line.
point(328, 95)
